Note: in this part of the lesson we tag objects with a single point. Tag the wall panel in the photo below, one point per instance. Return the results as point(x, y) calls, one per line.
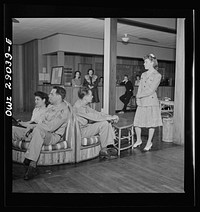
point(17, 79)
point(27, 64)
point(30, 73)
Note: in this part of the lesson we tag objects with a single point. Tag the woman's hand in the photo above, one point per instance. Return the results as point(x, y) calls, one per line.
point(115, 118)
point(29, 129)
point(138, 101)
point(32, 126)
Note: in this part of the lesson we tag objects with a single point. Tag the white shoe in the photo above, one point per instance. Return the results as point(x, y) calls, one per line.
point(121, 112)
point(147, 148)
point(138, 143)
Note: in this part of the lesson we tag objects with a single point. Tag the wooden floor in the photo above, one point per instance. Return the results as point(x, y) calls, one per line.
point(158, 171)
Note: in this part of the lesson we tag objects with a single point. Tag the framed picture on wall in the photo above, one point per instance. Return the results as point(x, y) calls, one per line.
point(56, 75)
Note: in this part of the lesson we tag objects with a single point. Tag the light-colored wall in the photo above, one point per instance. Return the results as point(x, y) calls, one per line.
point(76, 44)
point(28, 60)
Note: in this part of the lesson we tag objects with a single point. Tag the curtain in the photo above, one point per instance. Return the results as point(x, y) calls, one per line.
point(179, 98)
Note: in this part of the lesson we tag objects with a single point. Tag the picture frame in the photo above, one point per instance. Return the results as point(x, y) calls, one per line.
point(56, 75)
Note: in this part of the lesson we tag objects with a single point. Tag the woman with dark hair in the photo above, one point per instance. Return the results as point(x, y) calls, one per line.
point(41, 103)
point(148, 114)
point(76, 84)
point(91, 81)
point(76, 81)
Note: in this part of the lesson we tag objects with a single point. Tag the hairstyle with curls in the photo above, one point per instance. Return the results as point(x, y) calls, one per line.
point(83, 91)
point(89, 70)
point(42, 95)
point(152, 58)
point(77, 72)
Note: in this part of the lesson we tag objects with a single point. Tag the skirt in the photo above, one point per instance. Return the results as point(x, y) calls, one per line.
point(95, 95)
point(148, 116)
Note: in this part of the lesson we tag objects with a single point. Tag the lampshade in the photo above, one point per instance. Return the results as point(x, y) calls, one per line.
point(125, 38)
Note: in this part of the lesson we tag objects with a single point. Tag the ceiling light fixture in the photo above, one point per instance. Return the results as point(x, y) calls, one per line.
point(126, 38)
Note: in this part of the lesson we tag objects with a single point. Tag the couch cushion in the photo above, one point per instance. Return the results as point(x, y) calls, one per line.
point(24, 145)
point(89, 141)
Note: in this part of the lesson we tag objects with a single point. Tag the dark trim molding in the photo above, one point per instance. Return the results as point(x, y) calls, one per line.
point(145, 25)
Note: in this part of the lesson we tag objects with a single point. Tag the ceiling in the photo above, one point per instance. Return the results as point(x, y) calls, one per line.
point(38, 28)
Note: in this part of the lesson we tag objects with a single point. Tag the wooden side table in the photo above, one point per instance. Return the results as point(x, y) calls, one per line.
point(124, 132)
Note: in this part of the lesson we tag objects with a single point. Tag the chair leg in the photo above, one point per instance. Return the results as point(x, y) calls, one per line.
point(119, 143)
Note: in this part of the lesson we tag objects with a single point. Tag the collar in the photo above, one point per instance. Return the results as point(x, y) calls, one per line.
point(60, 105)
point(94, 77)
point(150, 72)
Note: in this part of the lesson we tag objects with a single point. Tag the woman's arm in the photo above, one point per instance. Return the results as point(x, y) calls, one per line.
point(95, 84)
point(85, 82)
point(151, 86)
point(73, 83)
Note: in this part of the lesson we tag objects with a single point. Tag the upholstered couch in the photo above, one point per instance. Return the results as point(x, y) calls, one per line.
point(85, 148)
point(71, 149)
point(60, 153)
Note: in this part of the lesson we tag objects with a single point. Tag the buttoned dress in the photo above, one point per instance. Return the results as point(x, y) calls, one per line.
point(148, 113)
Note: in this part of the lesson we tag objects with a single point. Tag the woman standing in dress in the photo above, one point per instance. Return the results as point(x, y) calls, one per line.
point(148, 114)
point(91, 81)
point(76, 84)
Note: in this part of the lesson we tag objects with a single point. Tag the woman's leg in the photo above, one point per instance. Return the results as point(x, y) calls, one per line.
point(138, 134)
point(150, 137)
point(18, 133)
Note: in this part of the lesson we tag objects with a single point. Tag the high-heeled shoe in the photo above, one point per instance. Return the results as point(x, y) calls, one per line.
point(137, 144)
point(147, 148)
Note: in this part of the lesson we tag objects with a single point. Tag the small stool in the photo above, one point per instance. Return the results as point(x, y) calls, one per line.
point(121, 129)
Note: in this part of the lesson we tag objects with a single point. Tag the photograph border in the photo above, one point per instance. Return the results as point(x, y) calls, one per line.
point(54, 77)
